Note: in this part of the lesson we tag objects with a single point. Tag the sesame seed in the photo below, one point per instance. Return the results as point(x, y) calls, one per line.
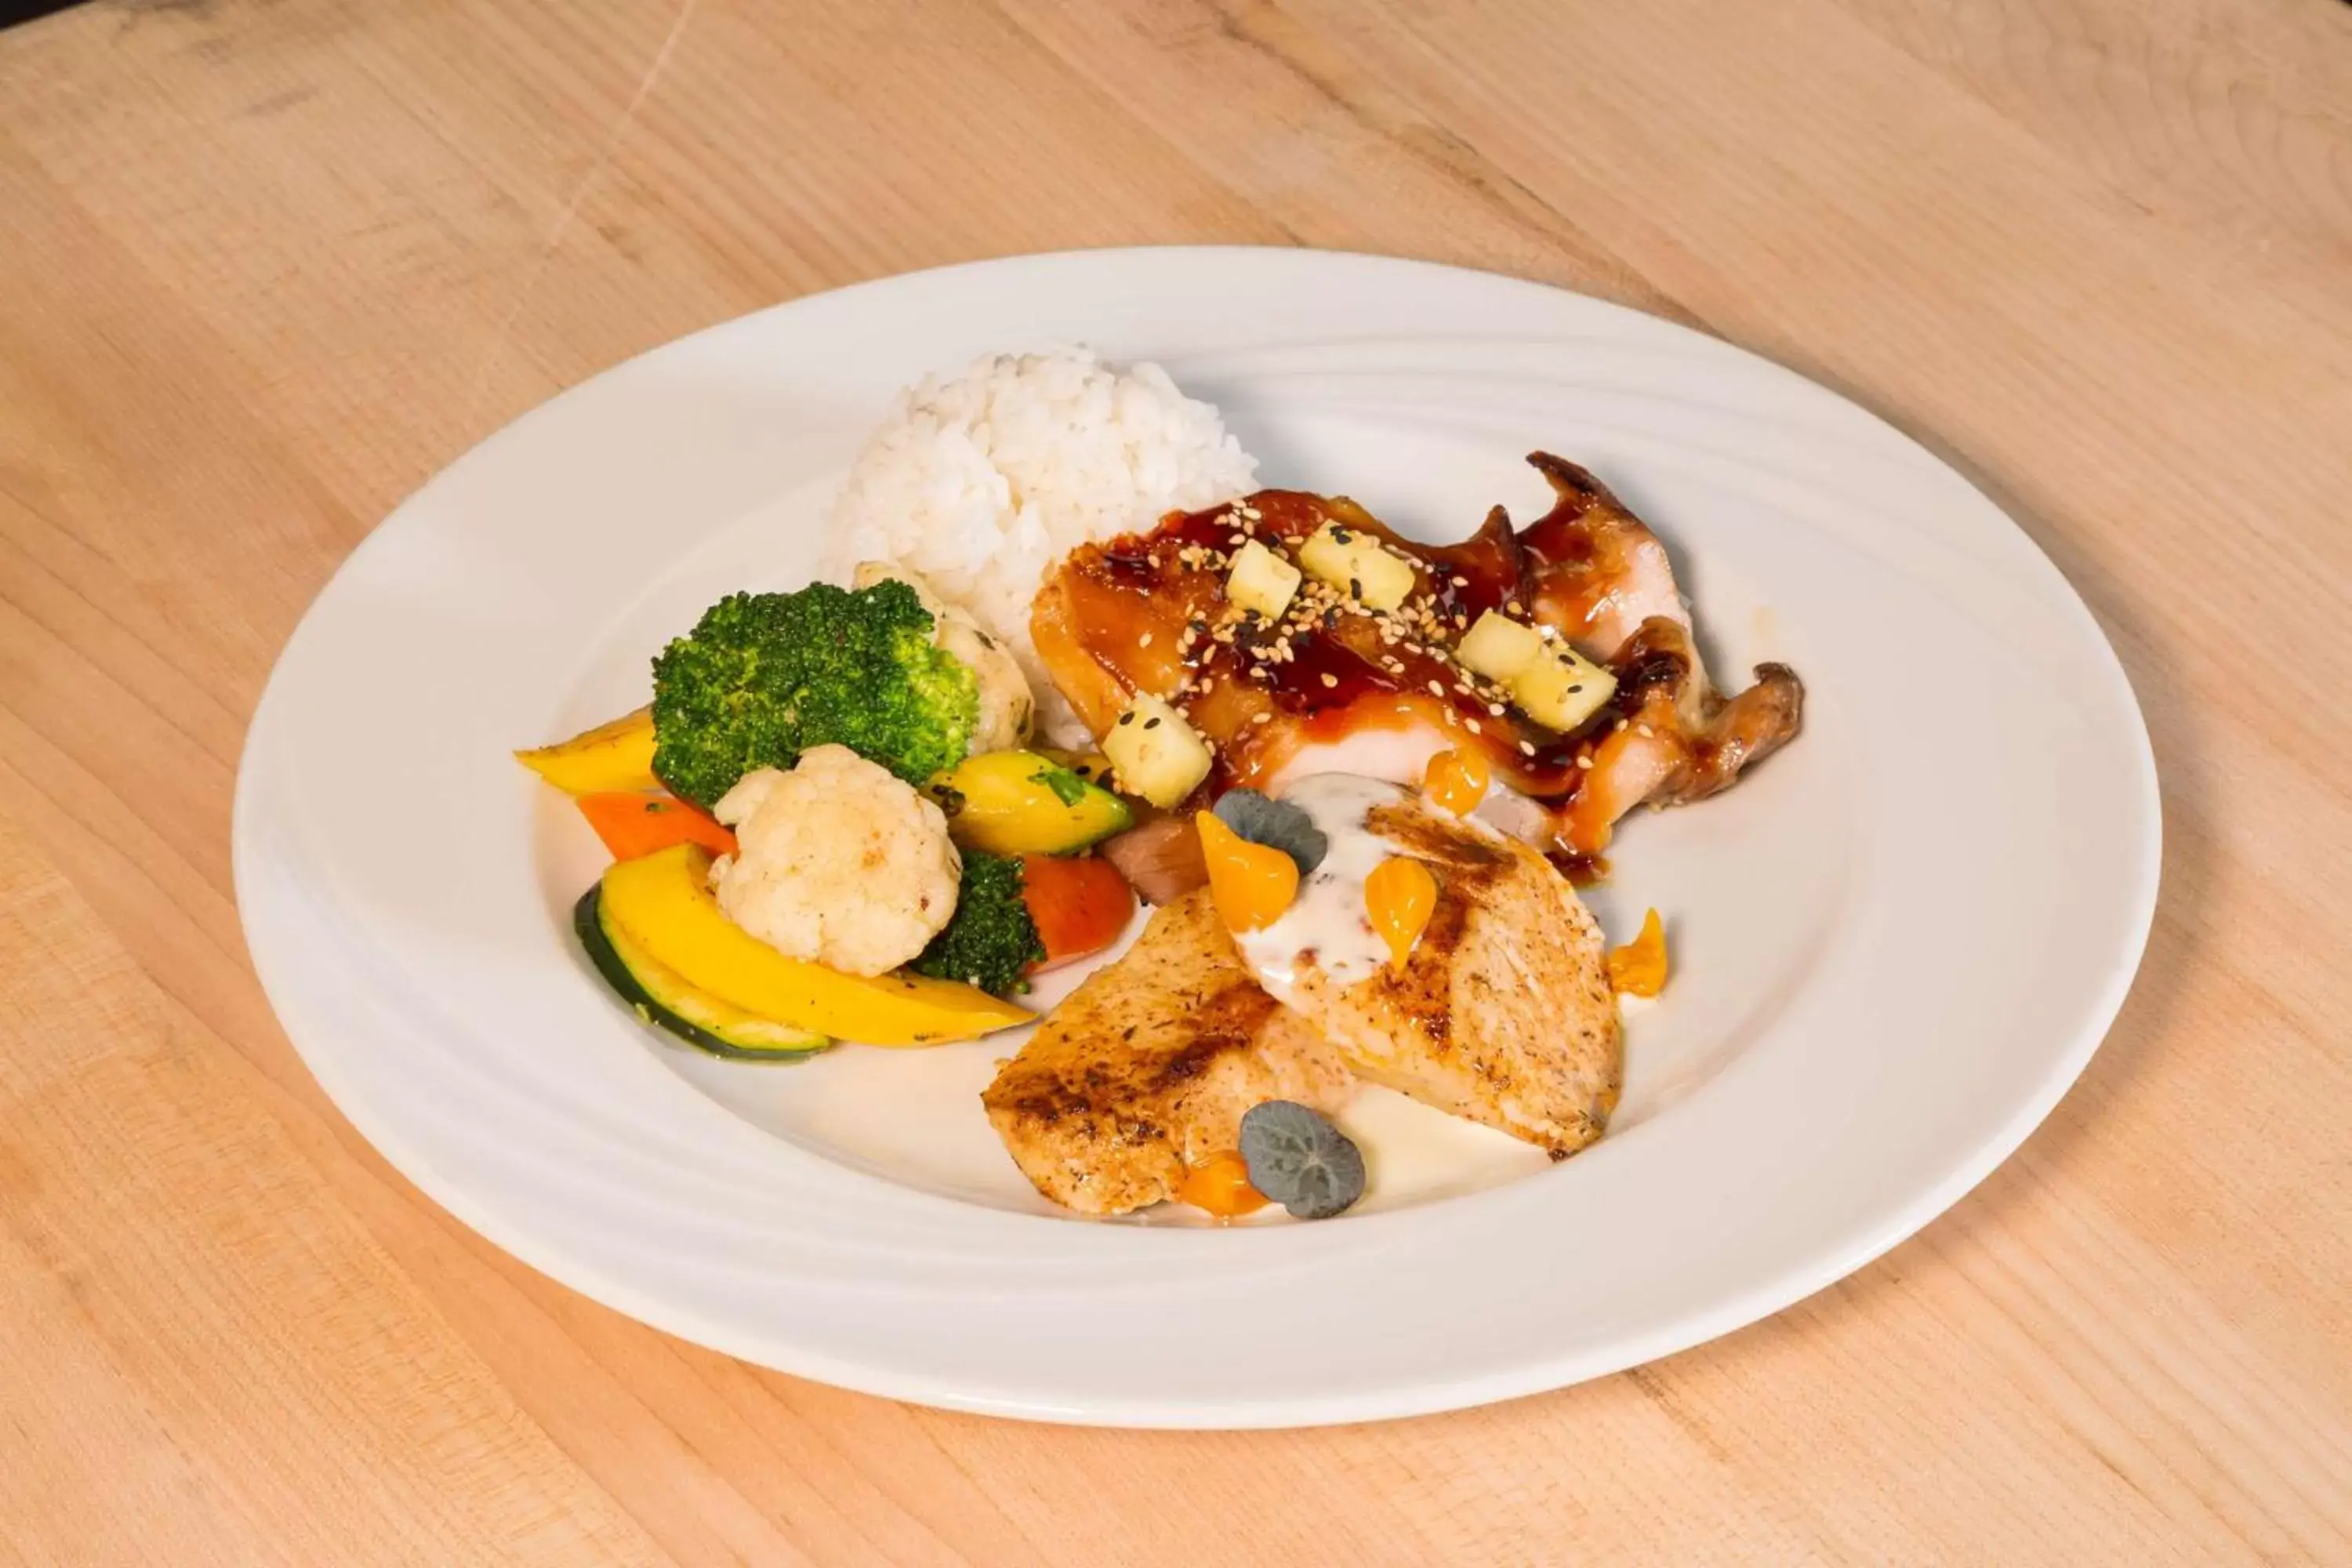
point(1473, 724)
point(1238, 540)
point(1495, 710)
point(1260, 718)
point(1331, 680)
point(1621, 724)
point(1643, 730)
point(1437, 689)
point(1461, 582)
point(1583, 759)
point(1514, 609)
point(1527, 747)
point(1143, 641)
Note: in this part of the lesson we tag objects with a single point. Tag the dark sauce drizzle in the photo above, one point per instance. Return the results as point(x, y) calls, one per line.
point(1335, 678)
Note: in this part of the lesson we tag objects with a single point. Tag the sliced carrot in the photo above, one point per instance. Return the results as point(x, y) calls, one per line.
point(1079, 904)
point(632, 825)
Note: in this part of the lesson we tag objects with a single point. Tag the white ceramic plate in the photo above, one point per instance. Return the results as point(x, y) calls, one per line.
point(1897, 943)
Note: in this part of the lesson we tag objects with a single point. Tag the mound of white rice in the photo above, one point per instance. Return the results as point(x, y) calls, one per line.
point(980, 483)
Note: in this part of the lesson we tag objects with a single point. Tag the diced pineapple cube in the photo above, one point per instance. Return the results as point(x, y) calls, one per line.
point(1561, 689)
point(1262, 581)
point(1498, 647)
point(1159, 755)
point(1358, 565)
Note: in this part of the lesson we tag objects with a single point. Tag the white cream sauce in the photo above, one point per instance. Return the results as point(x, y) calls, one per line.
point(1399, 754)
point(1327, 926)
point(1413, 1151)
point(1402, 756)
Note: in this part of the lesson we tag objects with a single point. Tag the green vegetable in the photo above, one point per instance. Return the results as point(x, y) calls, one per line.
point(1299, 1160)
point(764, 677)
point(1065, 786)
point(661, 998)
point(992, 942)
point(1276, 824)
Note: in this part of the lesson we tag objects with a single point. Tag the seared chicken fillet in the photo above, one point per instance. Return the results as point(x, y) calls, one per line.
point(1502, 1012)
point(1149, 1065)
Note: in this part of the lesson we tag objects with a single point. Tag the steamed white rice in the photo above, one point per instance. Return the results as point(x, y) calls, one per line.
point(981, 482)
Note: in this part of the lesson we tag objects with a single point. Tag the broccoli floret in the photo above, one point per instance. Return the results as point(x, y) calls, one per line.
point(991, 941)
point(764, 677)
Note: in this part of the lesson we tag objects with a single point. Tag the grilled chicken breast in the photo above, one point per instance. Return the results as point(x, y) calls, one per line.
point(1502, 1012)
point(1337, 686)
point(1149, 1065)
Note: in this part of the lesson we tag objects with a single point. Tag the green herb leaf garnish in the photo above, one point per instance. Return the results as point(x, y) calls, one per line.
point(1068, 787)
point(1276, 824)
point(1299, 1160)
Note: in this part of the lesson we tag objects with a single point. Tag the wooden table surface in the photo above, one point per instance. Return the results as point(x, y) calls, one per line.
point(266, 265)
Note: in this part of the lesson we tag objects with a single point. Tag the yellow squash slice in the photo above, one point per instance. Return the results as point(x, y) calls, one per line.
point(1022, 803)
point(664, 900)
point(615, 756)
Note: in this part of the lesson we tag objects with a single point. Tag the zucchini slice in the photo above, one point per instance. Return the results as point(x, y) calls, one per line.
point(659, 997)
point(664, 903)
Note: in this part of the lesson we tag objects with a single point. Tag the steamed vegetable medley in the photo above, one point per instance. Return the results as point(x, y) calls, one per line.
point(828, 825)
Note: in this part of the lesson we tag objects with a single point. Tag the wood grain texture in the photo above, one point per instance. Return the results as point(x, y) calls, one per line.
point(264, 267)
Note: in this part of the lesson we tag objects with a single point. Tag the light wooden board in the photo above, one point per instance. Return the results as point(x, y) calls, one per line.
point(264, 267)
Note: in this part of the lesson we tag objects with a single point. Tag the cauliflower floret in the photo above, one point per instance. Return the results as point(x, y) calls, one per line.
point(1006, 709)
point(838, 862)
